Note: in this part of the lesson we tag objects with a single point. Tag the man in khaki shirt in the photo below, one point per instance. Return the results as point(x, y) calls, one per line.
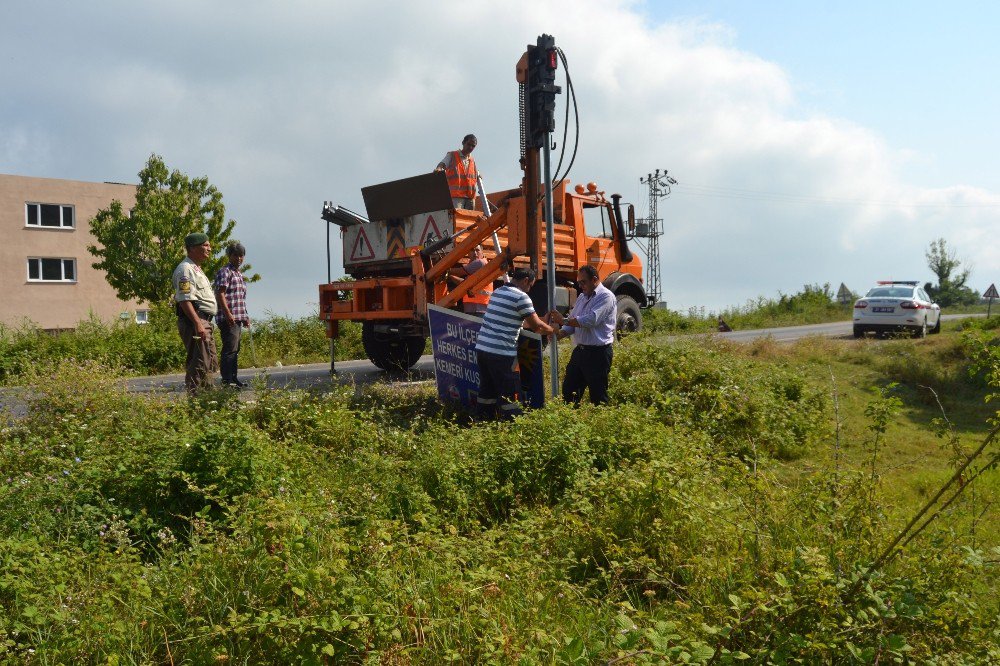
point(196, 307)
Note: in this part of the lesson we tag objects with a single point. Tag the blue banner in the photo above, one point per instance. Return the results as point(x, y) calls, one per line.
point(529, 359)
point(453, 343)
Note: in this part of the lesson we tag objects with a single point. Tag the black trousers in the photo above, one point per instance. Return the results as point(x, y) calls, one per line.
point(589, 367)
point(229, 358)
point(499, 386)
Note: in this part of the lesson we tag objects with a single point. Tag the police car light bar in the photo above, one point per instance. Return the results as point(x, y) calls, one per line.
point(912, 283)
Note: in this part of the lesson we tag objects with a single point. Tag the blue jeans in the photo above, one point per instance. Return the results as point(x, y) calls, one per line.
point(229, 361)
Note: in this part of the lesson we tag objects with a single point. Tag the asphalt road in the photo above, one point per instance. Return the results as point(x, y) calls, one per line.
point(308, 375)
point(360, 373)
point(840, 329)
point(363, 372)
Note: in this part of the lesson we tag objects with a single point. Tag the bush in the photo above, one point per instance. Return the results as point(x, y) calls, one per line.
point(156, 348)
point(815, 304)
point(745, 406)
point(290, 527)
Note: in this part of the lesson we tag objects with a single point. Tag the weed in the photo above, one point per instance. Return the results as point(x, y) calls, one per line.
point(696, 520)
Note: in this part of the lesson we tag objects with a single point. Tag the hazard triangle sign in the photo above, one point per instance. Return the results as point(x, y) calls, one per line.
point(430, 226)
point(991, 292)
point(362, 249)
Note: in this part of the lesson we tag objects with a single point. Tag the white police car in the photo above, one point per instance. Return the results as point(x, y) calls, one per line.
point(896, 306)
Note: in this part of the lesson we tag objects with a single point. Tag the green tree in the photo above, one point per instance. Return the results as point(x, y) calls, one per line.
point(139, 249)
point(945, 265)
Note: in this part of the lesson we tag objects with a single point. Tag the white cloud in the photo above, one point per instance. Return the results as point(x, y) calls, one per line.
point(284, 106)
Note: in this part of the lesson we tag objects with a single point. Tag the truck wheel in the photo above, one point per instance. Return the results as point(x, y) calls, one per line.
point(629, 316)
point(389, 351)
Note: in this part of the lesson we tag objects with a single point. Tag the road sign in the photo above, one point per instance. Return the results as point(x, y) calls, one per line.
point(456, 371)
point(844, 294)
point(429, 228)
point(991, 292)
point(362, 248)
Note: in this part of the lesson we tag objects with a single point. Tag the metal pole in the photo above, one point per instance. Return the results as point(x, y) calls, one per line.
point(550, 262)
point(253, 352)
point(333, 355)
point(486, 211)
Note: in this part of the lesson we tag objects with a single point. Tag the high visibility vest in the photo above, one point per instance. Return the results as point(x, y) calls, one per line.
point(480, 296)
point(461, 178)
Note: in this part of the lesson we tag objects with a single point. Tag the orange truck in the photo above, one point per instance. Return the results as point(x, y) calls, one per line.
point(400, 256)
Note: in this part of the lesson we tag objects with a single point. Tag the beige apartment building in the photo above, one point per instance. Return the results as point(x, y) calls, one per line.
point(45, 270)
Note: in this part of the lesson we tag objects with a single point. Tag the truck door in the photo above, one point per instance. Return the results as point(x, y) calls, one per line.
point(600, 228)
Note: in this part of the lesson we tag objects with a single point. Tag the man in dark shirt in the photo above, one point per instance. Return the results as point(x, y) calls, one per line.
point(231, 294)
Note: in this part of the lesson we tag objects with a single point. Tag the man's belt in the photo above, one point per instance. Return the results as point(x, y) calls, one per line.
point(201, 315)
point(594, 346)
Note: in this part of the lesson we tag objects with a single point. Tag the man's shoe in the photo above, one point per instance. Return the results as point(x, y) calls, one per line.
point(238, 384)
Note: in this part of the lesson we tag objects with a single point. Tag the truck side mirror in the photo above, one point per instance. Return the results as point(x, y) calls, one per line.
point(631, 218)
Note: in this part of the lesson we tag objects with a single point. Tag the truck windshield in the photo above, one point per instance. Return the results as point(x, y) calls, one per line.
point(596, 221)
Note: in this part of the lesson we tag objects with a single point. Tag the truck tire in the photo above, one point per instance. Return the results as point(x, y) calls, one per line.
point(629, 316)
point(390, 351)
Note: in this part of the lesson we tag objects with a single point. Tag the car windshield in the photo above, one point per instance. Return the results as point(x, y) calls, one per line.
point(891, 292)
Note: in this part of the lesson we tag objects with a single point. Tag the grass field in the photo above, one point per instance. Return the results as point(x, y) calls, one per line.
point(156, 349)
point(734, 506)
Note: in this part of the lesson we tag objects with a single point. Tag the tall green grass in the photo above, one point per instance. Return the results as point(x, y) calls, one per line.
point(667, 528)
point(156, 348)
point(814, 304)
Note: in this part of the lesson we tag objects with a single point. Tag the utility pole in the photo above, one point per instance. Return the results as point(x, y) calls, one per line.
point(659, 188)
point(537, 102)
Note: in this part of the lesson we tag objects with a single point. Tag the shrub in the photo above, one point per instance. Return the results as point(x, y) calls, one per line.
point(228, 459)
point(290, 527)
point(743, 405)
point(155, 348)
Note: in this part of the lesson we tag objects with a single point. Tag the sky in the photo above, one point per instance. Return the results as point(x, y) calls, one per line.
point(812, 143)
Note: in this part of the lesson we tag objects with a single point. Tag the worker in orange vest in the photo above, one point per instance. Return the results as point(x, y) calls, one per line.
point(460, 168)
point(475, 301)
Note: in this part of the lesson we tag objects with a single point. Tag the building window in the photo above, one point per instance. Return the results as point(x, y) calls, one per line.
point(55, 216)
point(142, 316)
point(43, 269)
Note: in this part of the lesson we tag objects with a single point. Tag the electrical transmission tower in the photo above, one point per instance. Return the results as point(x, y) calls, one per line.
point(652, 228)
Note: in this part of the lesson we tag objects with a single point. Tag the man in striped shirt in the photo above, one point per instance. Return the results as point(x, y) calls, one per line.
point(509, 309)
